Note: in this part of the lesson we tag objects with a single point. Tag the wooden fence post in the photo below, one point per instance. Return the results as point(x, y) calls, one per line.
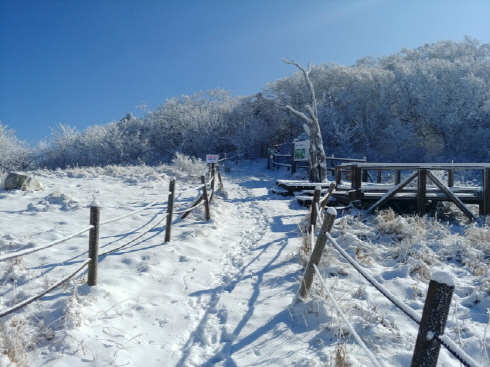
point(170, 209)
point(314, 204)
point(213, 179)
point(222, 187)
point(205, 197)
point(316, 255)
point(434, 317)
point(293, 162)
point(93, 243)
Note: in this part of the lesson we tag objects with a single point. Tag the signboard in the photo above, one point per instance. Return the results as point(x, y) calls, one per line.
point(212, 158)
point(302, 150)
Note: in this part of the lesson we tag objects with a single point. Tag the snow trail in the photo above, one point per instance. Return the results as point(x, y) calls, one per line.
point(246, 280)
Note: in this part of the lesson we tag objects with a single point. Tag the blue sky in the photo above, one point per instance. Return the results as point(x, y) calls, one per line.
point(88, 62)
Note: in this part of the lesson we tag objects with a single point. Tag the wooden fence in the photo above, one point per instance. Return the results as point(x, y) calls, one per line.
point(278, 160)
point(94, 232)
point(433, 320)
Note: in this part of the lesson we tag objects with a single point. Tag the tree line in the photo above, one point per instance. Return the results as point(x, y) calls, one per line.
point(431, 103)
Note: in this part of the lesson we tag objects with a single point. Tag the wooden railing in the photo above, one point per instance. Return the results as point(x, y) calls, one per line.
point(359, 189)
point(277, 160)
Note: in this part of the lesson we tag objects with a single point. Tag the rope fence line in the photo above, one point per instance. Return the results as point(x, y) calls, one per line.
point(437, 315)
point(133, 212)
point(194, 206)
point(94, 234)
point(134, 239)
point(35, 298)
point(189, 190)
point(39, 248)
point(342, 315)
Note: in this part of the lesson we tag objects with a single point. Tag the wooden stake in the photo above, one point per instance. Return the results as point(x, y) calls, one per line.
point(93, 243)
point(205, 197)
point(316, 255)
point(433, 322)
point(170, 209)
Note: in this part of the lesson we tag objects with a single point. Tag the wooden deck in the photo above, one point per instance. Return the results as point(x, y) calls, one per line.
point(420, 187)
point(413, 186)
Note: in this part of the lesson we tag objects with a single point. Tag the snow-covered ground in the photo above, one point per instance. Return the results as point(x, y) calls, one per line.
point(222, 292)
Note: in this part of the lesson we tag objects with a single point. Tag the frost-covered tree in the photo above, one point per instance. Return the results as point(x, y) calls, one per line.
point(317, 163)
point(14, 153)
point(193, 125)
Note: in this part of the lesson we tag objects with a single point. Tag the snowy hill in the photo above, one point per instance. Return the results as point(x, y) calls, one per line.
point(222, 292)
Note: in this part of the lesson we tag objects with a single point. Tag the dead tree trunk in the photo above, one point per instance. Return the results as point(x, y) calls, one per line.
point(318, 162)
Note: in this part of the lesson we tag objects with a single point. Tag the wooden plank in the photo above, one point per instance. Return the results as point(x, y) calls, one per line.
point(390, 194)
point(451, 196)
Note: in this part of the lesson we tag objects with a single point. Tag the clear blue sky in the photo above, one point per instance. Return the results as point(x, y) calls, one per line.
point(88, 62)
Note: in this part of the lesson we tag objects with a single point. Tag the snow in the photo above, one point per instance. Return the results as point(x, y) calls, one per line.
point(443, 278)
point(220, 292)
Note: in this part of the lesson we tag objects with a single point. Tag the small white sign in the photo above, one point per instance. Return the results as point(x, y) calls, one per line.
point(302, 150)
point(212, 158)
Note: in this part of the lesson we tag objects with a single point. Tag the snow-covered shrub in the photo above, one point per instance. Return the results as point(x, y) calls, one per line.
point(186, 166)
point(14, 154)
point(16, 339)
point(73, 311)
point(399, 226)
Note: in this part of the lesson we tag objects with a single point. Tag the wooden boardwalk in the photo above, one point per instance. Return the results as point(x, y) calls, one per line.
point(414, 187)
point(413, 184)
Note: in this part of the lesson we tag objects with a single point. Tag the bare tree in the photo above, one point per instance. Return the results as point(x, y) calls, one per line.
point(318, 162)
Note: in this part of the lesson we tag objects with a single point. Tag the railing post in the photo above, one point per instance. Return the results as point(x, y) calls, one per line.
point(338, 175)
point(293, 162)
point(450, 178)
point(397, 176)
point(268, 157)
point(434, 317)
point(486, 191)
point(205, 197)
point(170, 209)
point(316, 255)
point(314, 205)
point(356, 182)
point(93, 243)
point(421, 191)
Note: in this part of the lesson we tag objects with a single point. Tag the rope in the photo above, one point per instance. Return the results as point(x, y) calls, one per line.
point(134, 239)
point(133, 212)
point(32, 299)
point(191, 189)
point(351, 329)
point(457, 352)
point(35, 249)
point(191, 208)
